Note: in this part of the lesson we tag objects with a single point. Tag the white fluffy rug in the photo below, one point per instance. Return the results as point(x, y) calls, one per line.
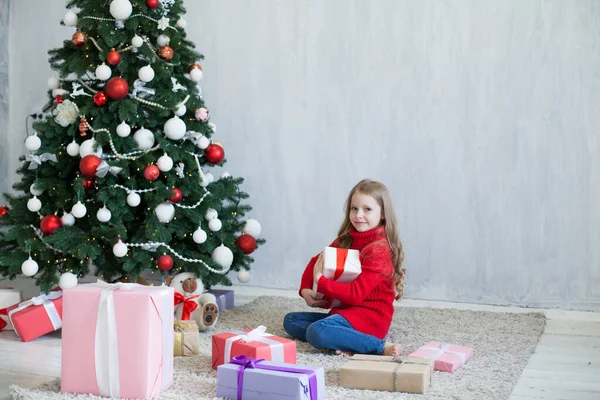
point(502, 344)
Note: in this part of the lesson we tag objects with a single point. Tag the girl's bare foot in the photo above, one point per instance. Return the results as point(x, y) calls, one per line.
point(344, 353)
point(392, 349)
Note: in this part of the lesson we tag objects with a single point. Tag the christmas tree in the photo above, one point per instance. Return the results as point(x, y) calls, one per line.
point(116, 180)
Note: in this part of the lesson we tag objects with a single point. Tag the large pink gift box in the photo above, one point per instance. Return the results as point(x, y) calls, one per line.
point(448, 357)
point(117, 340)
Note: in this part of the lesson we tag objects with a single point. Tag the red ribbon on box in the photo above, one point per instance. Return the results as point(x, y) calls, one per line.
point(189, 305)
point(340, 260)
point(3, 323)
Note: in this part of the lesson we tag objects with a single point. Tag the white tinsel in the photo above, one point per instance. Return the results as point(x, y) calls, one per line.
point(65, 113)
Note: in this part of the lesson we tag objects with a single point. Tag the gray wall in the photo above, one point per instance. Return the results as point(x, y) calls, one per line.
point(482, 117)
point(5, 164)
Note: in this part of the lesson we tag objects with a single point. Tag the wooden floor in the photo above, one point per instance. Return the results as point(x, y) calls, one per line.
point(566, 363)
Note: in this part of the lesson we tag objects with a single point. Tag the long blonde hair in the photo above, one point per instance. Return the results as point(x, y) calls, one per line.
point(380, 193)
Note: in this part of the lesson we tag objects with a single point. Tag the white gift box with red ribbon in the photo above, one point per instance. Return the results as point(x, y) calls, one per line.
point(340, 265)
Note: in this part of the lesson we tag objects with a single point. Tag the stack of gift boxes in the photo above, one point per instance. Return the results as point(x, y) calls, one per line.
point(119, 340)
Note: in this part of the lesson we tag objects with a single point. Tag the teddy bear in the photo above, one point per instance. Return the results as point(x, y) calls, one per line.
point(189, 288)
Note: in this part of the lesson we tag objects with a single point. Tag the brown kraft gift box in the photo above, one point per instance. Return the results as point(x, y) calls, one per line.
point(383, 373)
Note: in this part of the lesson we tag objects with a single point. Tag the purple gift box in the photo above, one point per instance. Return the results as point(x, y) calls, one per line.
point(246, 378)
point(224, 298)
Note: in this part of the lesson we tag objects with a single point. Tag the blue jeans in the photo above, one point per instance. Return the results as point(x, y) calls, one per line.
point(324, 331)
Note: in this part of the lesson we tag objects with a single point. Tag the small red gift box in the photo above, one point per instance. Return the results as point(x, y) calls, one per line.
point(254, 343)
point(37, 316)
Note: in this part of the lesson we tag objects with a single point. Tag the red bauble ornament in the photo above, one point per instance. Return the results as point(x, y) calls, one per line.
point(246, 243)
point(50, 223)
point(88, 183)
point(3, 211)
point(117, 88)
point(89, 164)
point(165, 262)
point(59, 99)
point(100, 99)
point(113, 57)
point(165, 52)
point(214, 153)
point(152, 3)
point(151, 172)
point(79, 38)
point(177, 196)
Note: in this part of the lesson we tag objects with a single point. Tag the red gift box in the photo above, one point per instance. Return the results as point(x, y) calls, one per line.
point(254, 343)
point(37, 316)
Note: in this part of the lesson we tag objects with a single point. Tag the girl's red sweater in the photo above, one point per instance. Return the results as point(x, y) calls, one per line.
point(368, 301)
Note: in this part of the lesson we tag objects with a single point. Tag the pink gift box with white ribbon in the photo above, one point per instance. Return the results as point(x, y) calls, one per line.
point(448, 357)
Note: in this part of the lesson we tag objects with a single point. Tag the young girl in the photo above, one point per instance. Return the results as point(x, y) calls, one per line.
point(364, 317)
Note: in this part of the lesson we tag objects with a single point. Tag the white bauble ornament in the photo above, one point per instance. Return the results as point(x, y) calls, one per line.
point(202, 142)
point(144, 138)
point(133, 199)
point(252, 228)
point(87, 148)
point(204, 183)
point(53, 82)
point(209, 177)
point(123, 129)
point(222, 256)
point(225, 175)
point(199, 236)
point(70, 18)
point(103, 214)
point(33, 142)
point(243, 276)
point(120, 249)
point(35, 191)
point(120, 9)
point(215, 225)
point(146, 74)
point(211, 213)
point(34, 204)
point(137, 41)
point(174, 128)
point(78, 210)
point(165, 212)
point(67, 280)
point(196, 74)
point(212, 127)
point(103, 72)
point(73, 149)
point(68, 219)
point(181, 111)
point(181, 23)
point(163, 40)
point(29, 267)
point(164, 163)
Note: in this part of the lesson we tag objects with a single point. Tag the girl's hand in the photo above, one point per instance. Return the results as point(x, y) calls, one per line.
point(318, 269)
point(311, 298)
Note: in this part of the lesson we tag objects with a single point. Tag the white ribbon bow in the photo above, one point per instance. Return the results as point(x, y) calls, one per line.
point(104, 169)
point(36, 161)
point(139, 87)
point(256, 335)
point(438, 351)
point(46, 301)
